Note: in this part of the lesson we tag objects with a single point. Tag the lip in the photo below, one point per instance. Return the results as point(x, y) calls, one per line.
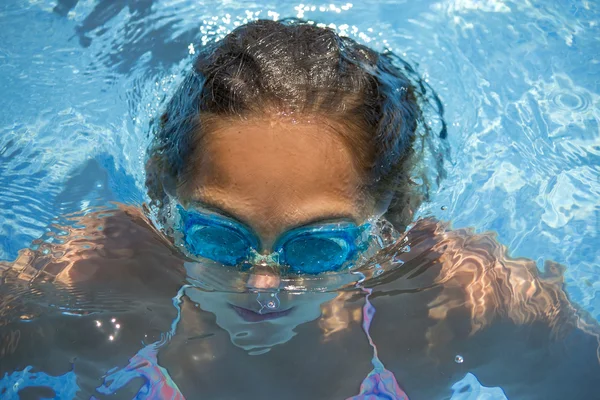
point(253, 316)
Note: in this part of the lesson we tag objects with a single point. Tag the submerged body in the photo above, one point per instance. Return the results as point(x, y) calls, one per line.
point(453, 294)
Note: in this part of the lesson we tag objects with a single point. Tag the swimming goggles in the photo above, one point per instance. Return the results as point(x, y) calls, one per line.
point(310, 249)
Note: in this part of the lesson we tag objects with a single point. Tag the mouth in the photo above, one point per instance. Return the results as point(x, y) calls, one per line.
point(253, 316)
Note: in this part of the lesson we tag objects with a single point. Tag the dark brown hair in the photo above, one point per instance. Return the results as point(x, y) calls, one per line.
point(291, 66)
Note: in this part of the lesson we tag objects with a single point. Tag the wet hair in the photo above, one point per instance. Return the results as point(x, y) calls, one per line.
point(292, 67)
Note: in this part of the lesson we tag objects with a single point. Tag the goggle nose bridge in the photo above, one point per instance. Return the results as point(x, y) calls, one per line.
point(263, 259)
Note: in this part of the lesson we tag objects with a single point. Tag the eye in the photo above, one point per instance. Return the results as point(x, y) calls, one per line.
point(315, 255)
point(218, 243)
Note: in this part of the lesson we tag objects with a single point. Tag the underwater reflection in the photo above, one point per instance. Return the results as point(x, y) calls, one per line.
point(425, 312)
point(262, 309)
point(251, 326)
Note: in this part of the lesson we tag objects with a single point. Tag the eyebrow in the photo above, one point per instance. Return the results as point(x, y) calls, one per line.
point(319, 219)
point(323, 220)
point(221, 211)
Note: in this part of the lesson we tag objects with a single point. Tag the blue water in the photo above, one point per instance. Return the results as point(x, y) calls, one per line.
point(519, 82)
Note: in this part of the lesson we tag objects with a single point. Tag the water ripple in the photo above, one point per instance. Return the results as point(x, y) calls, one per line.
point(518, 80)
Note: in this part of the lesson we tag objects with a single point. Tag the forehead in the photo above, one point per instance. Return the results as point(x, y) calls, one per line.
point(275, 171)
point(274, 153)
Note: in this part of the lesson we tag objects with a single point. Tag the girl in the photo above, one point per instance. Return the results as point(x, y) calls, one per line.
point(283, 173)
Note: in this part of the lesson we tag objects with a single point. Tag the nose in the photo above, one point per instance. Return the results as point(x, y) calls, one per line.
point(263, 258)
point(264, 276)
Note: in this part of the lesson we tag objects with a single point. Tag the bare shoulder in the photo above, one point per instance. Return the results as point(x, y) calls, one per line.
point(95, 244)
point(477, 273)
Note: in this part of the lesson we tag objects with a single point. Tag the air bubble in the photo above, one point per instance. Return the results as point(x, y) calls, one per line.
point(459, 359)
point(271, 303)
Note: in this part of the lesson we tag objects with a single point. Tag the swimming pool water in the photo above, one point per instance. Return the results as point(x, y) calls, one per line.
point(519, 81)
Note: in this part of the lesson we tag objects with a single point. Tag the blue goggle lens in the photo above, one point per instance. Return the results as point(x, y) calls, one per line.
point(308, 250)
point(315, 255)
point(217, 243)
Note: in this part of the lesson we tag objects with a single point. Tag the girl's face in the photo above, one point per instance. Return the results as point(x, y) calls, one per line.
point(274, 175)
point(271, 175)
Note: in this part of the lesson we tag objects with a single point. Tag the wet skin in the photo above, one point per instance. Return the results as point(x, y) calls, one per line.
point(273, 175)
point(454, 293)
point(535, 346)
point(276, 174)
point(531, 342)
